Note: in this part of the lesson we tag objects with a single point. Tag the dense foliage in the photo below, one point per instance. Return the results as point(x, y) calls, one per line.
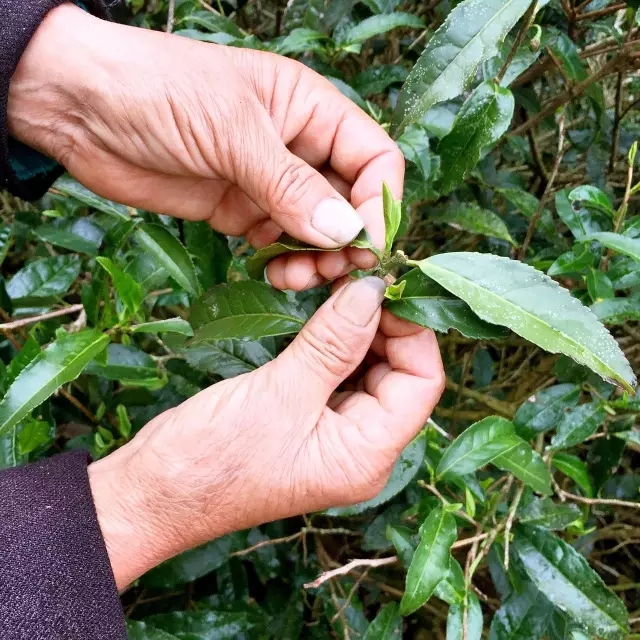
point(515, 514)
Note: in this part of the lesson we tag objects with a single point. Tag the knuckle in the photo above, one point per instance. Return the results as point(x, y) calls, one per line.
point(291, 185)
point(329, 353)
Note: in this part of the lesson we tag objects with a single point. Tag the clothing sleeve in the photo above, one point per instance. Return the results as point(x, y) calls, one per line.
point(56, 581)
point(23, 171)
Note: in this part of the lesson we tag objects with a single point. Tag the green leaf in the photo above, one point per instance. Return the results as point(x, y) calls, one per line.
point(430, 562)
point(580, 221)
point(591, 198)
point(376, 25)
point(475, 622)
point(229, 358)
point(575, 469)
point(471, 34)
point(171, 254)
point(394, 291)
point(212, 22)
point(33, 435)
point(452, 589)
point(210, 252)
point(392, 209)
point(6, 237)
point(544, 410)
point(76, 235)
point(425, 303)
point(523, 616)
point(127, 365)
point(404, 541)
point(70, 187)
point(481, 121)
point(574, 262)
point(348, 91)
point(244, 310)
point(195, 563)
point(376, 79)
point(526, 465)
point(257, 263)
point(616, 242)
point(124, 422)
point(472, 218)
point(30, 349)
point(43, 281)
point(137, 630)
point(632, 436)
point(527, 204)
point(211, 624)
point(544, 512)
point(599, 285)
point(577, 425)
point(404, 471)
point(128, 290)
point(61, 362)
point(520, 62)
point(170, 325)
point(511, 293)
point(414, 144)
point(567, 580)
point(617, 310)
point(387, 624)
point(477, 446)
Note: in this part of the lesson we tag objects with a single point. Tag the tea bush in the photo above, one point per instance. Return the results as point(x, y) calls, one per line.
point(515, 513)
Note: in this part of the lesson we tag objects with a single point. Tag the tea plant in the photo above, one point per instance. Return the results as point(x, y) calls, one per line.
point(515, 512)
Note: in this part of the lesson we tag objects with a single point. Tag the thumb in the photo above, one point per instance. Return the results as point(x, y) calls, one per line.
point(297, 197)
point(334, 342)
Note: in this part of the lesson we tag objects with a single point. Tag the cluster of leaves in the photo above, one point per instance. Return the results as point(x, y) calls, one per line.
point(515, 514)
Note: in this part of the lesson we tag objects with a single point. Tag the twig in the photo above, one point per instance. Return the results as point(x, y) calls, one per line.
point(509, 524)
point(24, 322)
point(622, 211)
point(463, 514)
point(503, 408)
point(171, 15)
point(528, 19)
point(547, 191)
point(615, 134)
point(294, 536)
point(354, 564)
point(592, 15)
point(564, 495)
point(571, 93)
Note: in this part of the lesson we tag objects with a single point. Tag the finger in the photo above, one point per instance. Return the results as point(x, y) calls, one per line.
point(334, 342)
point(393, 327)
point(407, 388)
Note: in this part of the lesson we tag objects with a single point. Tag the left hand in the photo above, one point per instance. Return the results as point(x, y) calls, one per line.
point(283, 440)
point(251, 142)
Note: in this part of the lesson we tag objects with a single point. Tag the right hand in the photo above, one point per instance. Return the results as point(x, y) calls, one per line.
point(251, 142)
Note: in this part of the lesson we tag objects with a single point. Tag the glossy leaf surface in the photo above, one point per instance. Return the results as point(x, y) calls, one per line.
point(510, 293)
point(61, 362)
point(248, 310)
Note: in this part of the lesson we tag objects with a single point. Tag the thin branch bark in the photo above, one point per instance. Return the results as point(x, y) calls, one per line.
point(354, 564)
point(572, 93)
point(545, 196)
point(25, 322)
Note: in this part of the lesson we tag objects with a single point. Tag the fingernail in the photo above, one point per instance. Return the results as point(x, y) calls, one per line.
point(360, 299)
point(337, 220)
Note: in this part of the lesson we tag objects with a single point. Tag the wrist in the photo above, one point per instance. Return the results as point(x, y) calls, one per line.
point(46, 105)
point(133, 532)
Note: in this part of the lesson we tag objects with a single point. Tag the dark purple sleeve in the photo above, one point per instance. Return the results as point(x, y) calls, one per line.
point(56, 581)
point(23, 171)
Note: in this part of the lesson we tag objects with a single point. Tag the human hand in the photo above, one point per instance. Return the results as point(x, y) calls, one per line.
point(286, 439)
point(252, 142)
